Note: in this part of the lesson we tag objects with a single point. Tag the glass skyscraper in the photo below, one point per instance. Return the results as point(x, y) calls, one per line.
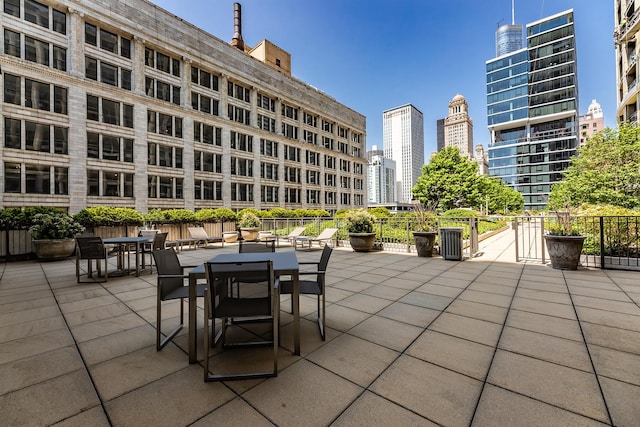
point(532, 109)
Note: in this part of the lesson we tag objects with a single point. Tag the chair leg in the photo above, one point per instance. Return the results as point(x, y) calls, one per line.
point(161, 343)
point(321, 322)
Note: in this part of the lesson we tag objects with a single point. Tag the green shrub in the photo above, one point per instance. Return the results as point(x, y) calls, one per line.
point(215, 215)
point(106, 216)
point(54, 226)
point(380, 212)
point(180, 216)
point(461, 213)
point(248, 219)
point(360, 221)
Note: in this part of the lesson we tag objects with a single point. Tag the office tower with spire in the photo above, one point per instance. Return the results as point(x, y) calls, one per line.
point(532, 109)
point(509, 37)
point(403, 142)
point(458, 127)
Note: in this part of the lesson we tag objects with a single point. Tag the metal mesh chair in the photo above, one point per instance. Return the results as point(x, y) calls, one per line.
point(171, 286)
point(262, 301)
point(91, 248)
point(158, 243)
point(313, 287)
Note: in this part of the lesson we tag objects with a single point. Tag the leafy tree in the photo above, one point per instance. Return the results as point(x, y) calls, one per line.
point(449, 181)
point(606, 171)
point(501, 197)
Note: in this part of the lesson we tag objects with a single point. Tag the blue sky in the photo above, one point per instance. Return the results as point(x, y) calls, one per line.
point(372, 55)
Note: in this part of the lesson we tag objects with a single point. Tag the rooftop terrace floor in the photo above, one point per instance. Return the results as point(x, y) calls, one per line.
point(410, 341)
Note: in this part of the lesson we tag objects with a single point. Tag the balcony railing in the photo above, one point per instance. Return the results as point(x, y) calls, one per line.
point(623, 30)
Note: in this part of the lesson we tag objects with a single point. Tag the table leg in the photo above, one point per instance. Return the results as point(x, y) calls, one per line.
point(137, 259)
point(193, 335)
point(296, 312)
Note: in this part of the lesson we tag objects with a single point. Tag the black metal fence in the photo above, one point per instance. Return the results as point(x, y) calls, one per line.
point(610, 241)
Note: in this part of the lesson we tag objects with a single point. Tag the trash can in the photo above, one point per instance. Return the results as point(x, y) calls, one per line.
point(451, 242)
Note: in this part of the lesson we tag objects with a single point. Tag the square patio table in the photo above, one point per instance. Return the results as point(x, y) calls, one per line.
point(284, 263)
point(128, 242)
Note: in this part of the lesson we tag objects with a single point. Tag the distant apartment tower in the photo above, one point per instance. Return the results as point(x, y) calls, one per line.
point(121, 103)
point(591, 122)
point(481, 157)
point(403, 141)
point(381, 176)
point(627, 40)
point(532, 101)
point(458, 127)
point(439, 134)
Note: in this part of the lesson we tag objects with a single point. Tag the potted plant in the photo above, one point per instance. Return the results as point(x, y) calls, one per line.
point(249, 224)
point(424, 233)
point(564, 242)
point(53, 235)
point(360, 227)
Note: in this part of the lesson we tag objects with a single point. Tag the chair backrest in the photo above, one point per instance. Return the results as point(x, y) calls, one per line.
point(198, 233)
point(326, 234)
point(324, 258)
point(253, 247)
point(147, 233)
point(159, 241)
point(168, 264)
point(296, 232)
point(220, 275)
point(90, 247)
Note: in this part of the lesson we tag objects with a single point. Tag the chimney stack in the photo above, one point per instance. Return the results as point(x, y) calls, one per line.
point(237, 27)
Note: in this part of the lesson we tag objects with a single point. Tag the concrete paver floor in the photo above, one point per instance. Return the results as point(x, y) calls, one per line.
point(410, 341)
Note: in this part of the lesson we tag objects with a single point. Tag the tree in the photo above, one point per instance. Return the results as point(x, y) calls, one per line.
point(605, 171)
point(449, 181)
point(501, 197)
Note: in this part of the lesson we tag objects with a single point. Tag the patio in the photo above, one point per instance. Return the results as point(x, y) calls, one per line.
point(410, 341)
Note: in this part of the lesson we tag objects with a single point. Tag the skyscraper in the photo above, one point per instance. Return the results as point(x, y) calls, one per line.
point(509, 37)
point(403, 141)
point(381, 176)
point(532, 101)
point(626, 37)
point(458, 127)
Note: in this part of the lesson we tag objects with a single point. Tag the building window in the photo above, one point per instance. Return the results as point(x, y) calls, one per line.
point(106, 40)
point(107, 73)
point(266, 123)
point(269, 171)
point(291, 153)
point(164, 155)
point(207, 162)
point(266, 103)
point(292, 195)
point(242, 142)
point(37, 179)
point(292, 174)
point(12, 177)
point(269, 194)
point(289, 111)
point(241, 192)
point(239, 115)
point(165, 187)
point(164, 124)
point(162, 90)
point(238, 92)
point(206, 104)
point(311, 137)
point(208, 190)
point(39, 14)
point(207, 134)
point(204, 78)
point(310, 119)
point(108, 111)
point(161, 62)
point(268, 148)
point(290, 131)
point(241, 167)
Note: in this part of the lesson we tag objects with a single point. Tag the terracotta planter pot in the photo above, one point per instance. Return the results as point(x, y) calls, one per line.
point(230, 236)
point(362, 242)
point(425, 240)
point(249, 233)
point(564, 251)
point(54, 249)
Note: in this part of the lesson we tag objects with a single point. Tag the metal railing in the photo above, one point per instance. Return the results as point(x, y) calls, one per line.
point(611, 242)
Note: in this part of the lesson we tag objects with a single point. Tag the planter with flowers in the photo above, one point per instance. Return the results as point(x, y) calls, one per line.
point(564, 242)
point(249, 224)
point(53, 235)
point(360, 227)
point(424, 233)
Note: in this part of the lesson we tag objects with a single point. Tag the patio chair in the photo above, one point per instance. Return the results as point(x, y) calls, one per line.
point(312, 286)
point(262, 301)
point(252, 247)
point(291, 237)
point(202, 238)
point(158, 243)
point(171, 278)
point(324, 237)
point(91, 248)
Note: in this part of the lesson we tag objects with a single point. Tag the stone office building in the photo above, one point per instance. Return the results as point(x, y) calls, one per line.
point(122, 103)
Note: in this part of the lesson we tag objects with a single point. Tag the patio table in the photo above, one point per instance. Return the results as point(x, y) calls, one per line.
point(127, 243)
point(284, 263)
